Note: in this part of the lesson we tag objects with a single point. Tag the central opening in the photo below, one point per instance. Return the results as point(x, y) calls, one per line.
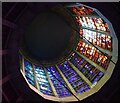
point(48, 36)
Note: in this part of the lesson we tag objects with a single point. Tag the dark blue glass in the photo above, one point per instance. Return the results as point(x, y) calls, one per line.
point(29, 72)
point(98, 77)
point(73, 78)
point(30, 81)
point(28, 65)
point(88, 70)
point(58, 82)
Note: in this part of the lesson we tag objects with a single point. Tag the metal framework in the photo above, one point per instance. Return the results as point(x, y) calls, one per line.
point(87, 69)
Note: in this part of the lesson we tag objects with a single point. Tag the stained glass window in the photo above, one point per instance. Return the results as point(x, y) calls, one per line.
point(86, 69)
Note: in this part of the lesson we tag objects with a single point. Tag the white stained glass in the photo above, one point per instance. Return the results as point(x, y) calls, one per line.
point(95, 38)
point(42, 73)
point(80, 20)
point(92, 24)
point(104, 29)
point(83, 19)
point(41, 83)
point(44, 88)
point(89, 24)
point(39, 71)
point(92, 35)
point(41, 76)
point(91, 51)
point(42, 80)
point(30, 72)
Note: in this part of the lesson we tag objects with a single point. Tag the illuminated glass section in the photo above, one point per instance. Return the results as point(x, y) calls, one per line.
point(93, 54)
point(42, 80)
point(58, 83)
point(29, 72)
point(96, 38)
point(90, 72)
point(92, 23)
point(74, 79)
point(81, 10)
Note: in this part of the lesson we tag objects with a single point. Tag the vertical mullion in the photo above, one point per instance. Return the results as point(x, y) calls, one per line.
point(35, 77)
point(51, 84)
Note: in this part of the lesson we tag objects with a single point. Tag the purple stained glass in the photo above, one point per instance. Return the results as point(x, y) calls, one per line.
point(75, 81)
point(100, 74)
point(59, 86)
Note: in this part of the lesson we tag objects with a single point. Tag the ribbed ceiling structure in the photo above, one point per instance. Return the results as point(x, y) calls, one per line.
point(88, 66)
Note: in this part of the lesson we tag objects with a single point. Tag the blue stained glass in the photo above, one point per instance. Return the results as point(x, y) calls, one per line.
point(73, 75)
point(79, 83)
point(95, 80)
point(32, 78)
point(46, 92)
point(82, 70)
point(30, 81)
point(42, 80)
point(91, 72)
point(101, 74)
point(28, 65)
point(66, 62)
point(74, 79)
point(29, 72)
point(81, 88)
point(87, 89)
point(76, 59)
point(60, 89)
point(88, 70)
point(81, 61)
point(98, 77)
